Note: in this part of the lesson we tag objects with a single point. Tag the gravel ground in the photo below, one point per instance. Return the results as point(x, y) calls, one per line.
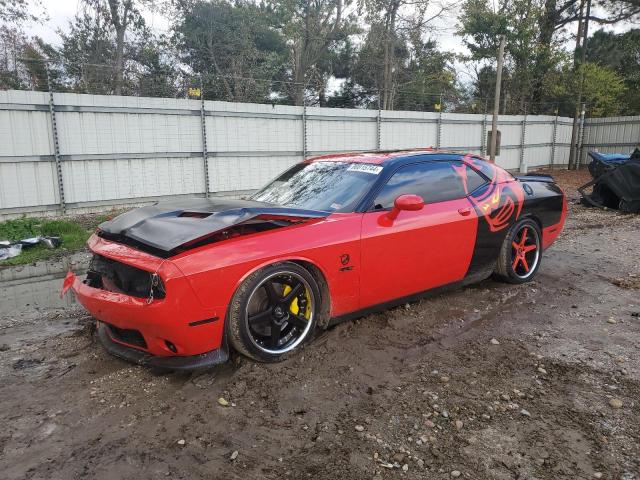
point(494, 381)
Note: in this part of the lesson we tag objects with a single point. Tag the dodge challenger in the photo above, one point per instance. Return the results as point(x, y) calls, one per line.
point(177, 285)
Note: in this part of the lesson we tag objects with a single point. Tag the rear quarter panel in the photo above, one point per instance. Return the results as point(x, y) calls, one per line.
point(547, 203)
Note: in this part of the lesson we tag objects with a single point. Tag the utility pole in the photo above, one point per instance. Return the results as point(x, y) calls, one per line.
point(583, 32)
point(496, 101)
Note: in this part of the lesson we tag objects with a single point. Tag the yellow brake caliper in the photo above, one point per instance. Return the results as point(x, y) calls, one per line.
point(294, 308)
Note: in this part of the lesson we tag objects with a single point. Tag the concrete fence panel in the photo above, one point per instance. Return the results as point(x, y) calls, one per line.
point(114, 150)
point(337, 130)
point(610, 135)
point(408, 129)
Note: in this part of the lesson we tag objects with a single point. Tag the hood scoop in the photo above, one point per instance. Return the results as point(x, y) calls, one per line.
point(165, 227)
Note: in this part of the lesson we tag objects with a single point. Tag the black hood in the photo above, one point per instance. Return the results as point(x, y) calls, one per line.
point(166, 226)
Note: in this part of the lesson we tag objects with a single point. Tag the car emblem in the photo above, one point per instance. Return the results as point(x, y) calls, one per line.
point(345, 258)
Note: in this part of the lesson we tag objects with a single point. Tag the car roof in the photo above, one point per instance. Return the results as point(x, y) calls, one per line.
point(387, 158)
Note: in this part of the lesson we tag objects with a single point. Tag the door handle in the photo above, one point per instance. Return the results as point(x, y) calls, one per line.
point(464, 211)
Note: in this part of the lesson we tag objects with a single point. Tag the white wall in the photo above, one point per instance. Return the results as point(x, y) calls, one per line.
point(128, 150)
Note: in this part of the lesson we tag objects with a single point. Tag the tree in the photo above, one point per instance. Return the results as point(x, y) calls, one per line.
point(104, 55)
point(14, 44)
point(118, 17)
point(560, 13)
point(312, 28)
point(122, 14)
point(395, 38)
point(518, 20)
point(428, 79)
point(16, 12)
point(87, 53)
point(157, 74)
point(382, 55)
point(603, 89)
point(535, 34)
point(233, 46)
point(621, 53)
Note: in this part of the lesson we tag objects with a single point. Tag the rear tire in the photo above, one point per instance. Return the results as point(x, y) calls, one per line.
point(274, 312)
point(521, 253)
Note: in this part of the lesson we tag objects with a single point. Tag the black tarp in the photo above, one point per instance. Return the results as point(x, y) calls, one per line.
point(616, 182)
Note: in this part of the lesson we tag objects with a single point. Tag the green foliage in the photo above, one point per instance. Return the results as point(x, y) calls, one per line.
point(73, 236)
point(428, 75)
point(519, 22)
point(15, 11)
point(86, 47)
point(603, 89)
point(237, 42)
point(481, 27)
point(538, 70)
point(621, 53)
point(315, 35)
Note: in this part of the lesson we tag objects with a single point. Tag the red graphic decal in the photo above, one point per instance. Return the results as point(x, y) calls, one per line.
point(499, 201)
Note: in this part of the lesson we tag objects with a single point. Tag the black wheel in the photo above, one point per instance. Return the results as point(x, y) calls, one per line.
point(273, 312)
point(521, 253)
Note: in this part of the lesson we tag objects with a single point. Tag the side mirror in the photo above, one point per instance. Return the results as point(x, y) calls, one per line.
point(409, 203)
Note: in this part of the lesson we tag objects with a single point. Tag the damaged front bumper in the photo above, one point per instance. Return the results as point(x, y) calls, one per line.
point(174, 332)
point(175, 363)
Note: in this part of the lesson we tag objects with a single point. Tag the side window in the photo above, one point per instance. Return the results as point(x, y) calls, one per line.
point(474, 179)
point(433, 181)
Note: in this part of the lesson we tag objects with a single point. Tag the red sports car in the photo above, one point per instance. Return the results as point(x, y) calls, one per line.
point(176, 285)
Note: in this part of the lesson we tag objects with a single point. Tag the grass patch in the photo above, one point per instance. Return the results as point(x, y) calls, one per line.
point(73, 234)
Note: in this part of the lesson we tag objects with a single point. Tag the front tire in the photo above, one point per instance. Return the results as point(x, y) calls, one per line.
point(521, 253)
point(273, 312)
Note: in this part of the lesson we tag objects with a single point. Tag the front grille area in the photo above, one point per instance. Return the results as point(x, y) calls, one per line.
point(130, 337)
point(114, 276)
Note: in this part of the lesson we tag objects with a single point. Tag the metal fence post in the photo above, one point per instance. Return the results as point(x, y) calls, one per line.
point(483, 141)
point(205, 153)
point(56, 143)
point(554, 138)
point(379, 129)
point(523, 143)
point(304, 129)
point(439, 132)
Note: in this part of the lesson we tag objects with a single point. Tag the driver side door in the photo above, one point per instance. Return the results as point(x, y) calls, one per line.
point(422, 249)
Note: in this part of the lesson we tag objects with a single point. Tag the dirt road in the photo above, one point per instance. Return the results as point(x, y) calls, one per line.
point(540, 381)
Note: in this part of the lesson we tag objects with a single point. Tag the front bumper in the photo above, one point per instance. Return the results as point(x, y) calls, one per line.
point(178, 329)
point(175, 363)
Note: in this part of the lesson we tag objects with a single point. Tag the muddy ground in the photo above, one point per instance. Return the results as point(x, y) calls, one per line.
point(540, 381)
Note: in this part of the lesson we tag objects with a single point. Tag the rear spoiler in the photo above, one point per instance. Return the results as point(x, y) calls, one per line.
point(535, 177)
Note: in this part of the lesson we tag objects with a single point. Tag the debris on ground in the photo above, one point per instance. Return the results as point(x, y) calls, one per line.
point(10, 249)
point(615, 183)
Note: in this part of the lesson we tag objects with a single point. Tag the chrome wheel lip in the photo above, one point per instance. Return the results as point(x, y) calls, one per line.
point(534, 265)
point(303, 334)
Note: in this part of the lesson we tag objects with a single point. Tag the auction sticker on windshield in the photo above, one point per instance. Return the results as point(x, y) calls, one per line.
point(365, 168)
